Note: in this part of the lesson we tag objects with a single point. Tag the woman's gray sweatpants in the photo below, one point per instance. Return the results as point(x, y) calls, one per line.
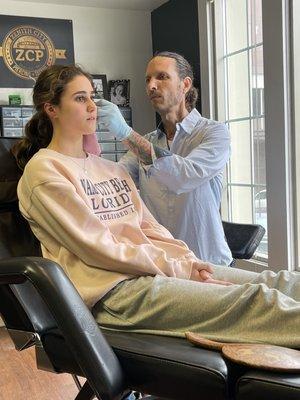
point(257, 308)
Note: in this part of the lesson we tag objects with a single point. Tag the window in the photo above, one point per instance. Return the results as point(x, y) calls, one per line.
point(241, 64)
point(246, 82)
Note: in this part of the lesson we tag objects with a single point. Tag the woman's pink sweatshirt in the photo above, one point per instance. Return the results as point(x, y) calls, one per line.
point(90, 219)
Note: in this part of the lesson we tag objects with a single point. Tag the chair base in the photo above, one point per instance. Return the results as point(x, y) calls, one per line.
point(86, 393)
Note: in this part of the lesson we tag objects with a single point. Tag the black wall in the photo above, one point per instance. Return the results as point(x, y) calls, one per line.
point(175, 28)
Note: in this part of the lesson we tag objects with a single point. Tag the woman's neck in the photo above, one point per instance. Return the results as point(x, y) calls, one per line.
point(67, 146)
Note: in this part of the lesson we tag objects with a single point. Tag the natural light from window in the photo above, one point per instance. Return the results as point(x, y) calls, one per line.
point(244, 114)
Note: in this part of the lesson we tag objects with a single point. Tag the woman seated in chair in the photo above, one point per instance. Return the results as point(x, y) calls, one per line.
point(89, 218)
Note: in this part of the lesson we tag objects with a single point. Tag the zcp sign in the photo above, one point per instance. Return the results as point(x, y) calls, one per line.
point(28, 50)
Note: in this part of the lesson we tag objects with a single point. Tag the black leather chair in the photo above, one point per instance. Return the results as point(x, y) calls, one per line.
point(41, 308)
point(243, 239)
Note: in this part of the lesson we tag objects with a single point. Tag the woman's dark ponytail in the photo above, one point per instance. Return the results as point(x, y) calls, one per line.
point(38, 134)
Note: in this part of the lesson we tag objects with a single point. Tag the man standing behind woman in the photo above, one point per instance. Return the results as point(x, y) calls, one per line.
point(179, 166)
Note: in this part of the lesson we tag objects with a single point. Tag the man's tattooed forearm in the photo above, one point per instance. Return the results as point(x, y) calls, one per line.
point(142, 148)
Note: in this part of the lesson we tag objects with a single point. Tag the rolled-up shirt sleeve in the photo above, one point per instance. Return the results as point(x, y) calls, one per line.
point(183, 174)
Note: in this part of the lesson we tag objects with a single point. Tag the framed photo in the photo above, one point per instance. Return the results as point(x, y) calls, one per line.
point(119, 92)
point(100, 85)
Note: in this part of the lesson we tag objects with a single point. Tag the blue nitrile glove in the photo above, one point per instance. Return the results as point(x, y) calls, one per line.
point(111, 117)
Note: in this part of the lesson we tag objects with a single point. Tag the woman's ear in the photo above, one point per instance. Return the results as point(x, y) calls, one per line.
point(187, 84)
point(50, 110)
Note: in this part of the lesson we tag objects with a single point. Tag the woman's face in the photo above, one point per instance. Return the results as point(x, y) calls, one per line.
point(77, 112)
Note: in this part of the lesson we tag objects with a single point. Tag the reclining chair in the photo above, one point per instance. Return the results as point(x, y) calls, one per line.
point(41, 308)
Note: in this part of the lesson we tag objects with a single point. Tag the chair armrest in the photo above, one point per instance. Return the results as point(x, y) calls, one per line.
point(243, 239)
point(91, 350)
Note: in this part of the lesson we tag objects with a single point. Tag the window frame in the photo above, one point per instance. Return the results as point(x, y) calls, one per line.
point(295, 17)
point(280, 156)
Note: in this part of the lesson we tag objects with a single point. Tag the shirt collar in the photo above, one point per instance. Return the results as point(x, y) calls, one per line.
point(187, 124)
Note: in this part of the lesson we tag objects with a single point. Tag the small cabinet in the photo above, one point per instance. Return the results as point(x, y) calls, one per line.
point(14, 119)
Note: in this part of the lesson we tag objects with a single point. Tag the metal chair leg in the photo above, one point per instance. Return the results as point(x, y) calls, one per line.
point(77, 382)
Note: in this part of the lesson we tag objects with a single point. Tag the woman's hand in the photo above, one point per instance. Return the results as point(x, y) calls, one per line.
point(202, 272)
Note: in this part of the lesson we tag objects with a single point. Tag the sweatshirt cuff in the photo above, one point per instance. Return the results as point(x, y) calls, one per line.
point(183, 270)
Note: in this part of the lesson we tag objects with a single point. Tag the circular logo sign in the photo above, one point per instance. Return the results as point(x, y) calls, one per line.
point(27, 51)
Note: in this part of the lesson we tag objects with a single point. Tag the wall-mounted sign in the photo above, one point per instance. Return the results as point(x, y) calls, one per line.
point(29, 45)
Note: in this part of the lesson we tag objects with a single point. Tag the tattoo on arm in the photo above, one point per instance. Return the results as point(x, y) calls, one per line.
point(141, 147)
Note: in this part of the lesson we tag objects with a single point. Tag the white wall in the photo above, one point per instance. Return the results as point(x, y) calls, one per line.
point(112, 42)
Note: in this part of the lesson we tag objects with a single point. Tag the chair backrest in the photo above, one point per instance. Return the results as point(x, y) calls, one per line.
point(16, 240)
point(243, 239)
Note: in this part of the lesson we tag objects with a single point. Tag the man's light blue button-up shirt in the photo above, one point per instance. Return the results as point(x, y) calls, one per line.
point(183, 190)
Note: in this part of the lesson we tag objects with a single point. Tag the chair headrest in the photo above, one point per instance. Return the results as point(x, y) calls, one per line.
point(9, 171)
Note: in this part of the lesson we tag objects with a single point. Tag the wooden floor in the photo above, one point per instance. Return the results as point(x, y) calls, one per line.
point(20, 379)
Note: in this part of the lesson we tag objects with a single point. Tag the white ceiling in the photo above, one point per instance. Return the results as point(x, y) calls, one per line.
point(146, 5)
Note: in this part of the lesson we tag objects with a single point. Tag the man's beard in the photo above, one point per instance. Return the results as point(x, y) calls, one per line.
point(167, 104)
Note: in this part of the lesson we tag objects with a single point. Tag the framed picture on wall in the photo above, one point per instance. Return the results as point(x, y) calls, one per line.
point(119, 92)
point(100, 85)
